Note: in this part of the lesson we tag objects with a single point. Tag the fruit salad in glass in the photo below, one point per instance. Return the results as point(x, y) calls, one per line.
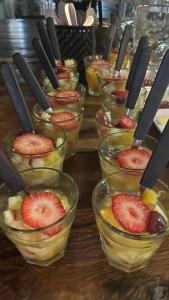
point(113, 57)
point(38, 220)
point(72, 99)
point(68, 119)
point(118, 81)
point(67, 77)
point(114, 100)
point(115, 157)
point(132, 224)
point(94, 65)
point(106, 125)
point(39, 149)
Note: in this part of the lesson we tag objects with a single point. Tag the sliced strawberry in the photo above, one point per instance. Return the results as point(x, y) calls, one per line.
point(99, 64)
point(64, 97)
point(64, 75)
point(120, 93)
point(103, 117)
point(31, 143)
point(127, 122)
point(65, 119)
point(134, 159)
point(131, 212)
point(41, 209)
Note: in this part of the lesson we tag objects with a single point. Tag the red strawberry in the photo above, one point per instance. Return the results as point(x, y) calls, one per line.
point(31, 143)
point(131, 212)
point(64, 75)
point(127, 122)
point(41, 209)
point(134, 159)
point(64, 97)
point(120, 93)
point(99, 64)
point(103, 117)
point(65, 119)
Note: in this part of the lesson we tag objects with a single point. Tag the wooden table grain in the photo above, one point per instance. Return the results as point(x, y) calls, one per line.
point(83, 273)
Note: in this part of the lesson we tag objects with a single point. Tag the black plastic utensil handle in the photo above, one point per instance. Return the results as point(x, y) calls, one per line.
point(109, 42)
point(153, 100)
point(143, 42)
point(31, 81)
point(123, 47)
point(10, 176)
point(138, 78)
point(40, 52)
point(100, 11)
point(53, 38)
point(158, 160)
point(46, 41)
point(16, 97)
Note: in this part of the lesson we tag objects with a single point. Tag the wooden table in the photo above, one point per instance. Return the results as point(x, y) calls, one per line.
point(83, 273)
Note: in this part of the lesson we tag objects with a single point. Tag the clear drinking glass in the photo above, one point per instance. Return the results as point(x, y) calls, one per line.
point(71, 125)
point(44, 245)
point(124, 250)
point(93, 66)
point(114, 101)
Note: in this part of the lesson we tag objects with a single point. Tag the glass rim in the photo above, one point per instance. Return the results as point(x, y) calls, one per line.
point(78, 114)
point(129, 147)
point(143, 92)
point(126, 234)
point(76, 194)
point(14, 132)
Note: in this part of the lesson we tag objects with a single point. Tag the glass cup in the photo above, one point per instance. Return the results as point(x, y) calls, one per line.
point(44, 245)
point(67, 76)
point(114, 101)
point(71, 99)
point(53, 159)
point(124, 250)
point(71, 125)
point(113, 57)
point(104, 129)
point(118, 82)
point(152, 19)
point(93, 66)
point(109, 149)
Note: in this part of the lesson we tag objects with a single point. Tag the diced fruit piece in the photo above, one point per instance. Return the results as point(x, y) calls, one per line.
point(156, 222)
point(37, 163)
point(103, 117)
point(150, 198)
point(134, 159)
point(127, 122)
point(14, 202)
point(8, 217)
point(162, 120)
point(41, 209)
point(108, 215)
point(66, 75)
point(130, 212)
point(65, 203)
point(65, 120)
point(31, 143)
